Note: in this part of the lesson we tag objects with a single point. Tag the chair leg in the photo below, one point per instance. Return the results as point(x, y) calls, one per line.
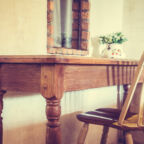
point(83, 133)
point(128, 137)
point(104, 135)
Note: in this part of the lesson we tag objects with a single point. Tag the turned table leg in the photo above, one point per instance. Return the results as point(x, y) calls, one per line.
point(53, 131)
point(2, 92)
point(52, 89)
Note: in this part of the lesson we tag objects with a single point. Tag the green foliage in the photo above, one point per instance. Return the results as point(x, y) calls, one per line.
point(117, 38)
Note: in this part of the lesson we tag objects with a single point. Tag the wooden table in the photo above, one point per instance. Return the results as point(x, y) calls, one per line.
point(60, 73)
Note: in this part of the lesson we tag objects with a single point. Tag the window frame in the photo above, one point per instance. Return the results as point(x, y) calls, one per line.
point(80, 29)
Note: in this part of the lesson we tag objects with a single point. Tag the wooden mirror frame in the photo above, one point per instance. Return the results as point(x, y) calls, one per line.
point(80, 33)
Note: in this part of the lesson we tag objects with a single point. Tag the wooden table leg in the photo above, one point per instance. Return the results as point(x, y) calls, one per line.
point(53, 111)
point(2, 92)
point(52, 89)
point(125, 87)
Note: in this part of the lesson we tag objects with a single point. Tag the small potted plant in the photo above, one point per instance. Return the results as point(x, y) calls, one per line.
point(113, 45)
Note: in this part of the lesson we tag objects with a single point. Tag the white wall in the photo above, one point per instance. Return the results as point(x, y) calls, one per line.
point(133, 27)
point(105, 18)
point(23, 26)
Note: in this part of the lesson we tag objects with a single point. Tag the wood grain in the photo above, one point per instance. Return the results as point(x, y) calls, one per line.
point(1, 108)
point(52, 90)
point(53, 112)
point(52, 81)
point(2, 92)
point(131, 91)
point(79, 77)
point(104, 135)
point(56, 74)
point(64, 59)
point(21, 77)
point(83, 133)
point(26, 76)
point(129, 139)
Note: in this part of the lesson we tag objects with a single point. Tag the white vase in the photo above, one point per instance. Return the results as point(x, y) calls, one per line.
point(113, 51)
point(95, 47)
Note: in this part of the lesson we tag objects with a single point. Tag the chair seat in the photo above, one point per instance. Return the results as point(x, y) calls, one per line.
point(107, 117)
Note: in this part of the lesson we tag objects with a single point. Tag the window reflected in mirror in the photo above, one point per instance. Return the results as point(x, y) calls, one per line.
point(67, 22)
point(63, 23)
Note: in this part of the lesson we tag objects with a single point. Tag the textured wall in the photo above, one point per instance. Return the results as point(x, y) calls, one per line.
point(105, 18)
point(23, 26)
point(133, 27)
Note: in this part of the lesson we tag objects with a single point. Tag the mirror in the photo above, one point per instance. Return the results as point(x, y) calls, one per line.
point(67, 22)
point(63, 23)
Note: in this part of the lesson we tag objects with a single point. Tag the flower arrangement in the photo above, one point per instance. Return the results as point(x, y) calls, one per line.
point(114, 38)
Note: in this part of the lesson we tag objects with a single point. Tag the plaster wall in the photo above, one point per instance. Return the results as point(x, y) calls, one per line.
point(106, 17)
point(23, 27)
point(133, 27)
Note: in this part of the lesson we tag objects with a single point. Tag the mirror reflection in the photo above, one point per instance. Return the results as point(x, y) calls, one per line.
point(63, 23)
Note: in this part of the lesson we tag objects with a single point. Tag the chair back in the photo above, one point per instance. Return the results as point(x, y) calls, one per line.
point(139, 116)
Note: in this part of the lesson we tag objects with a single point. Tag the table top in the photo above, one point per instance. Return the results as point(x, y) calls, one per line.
point(60, 59)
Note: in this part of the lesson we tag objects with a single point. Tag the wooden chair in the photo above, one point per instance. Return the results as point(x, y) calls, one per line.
point(116, 118)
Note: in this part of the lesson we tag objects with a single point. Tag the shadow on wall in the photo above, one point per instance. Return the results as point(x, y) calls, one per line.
point(35, 134)
point(29, 134)
point(71, 128)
